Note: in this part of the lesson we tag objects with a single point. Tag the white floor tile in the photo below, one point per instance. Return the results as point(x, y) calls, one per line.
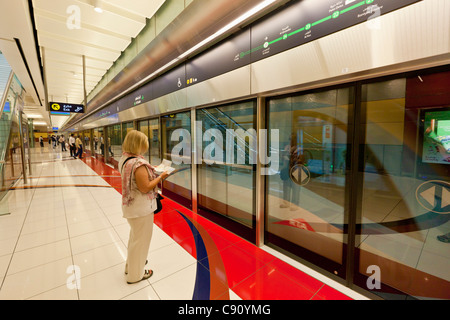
point(7, 246)
point(147, 293)
point(168, 260)
point(177, 286)
point(93, 240)
point(108, 284)
point(101, 258)
point(87, 226)
point(36, 239)
point(34, 257)
point(43, 224)
point(42, 278)
point(4, 263)
point(60, 293)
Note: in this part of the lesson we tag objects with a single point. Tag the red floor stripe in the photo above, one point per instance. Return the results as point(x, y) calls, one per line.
point(252, 273)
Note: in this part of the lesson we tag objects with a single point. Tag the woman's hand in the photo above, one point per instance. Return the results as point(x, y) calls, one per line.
point(164, 175)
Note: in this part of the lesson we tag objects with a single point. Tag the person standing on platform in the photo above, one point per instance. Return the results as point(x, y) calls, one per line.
point(139, 185)
point(72, 145)
point(79, 148)
point(41, 141)
point(62, 141)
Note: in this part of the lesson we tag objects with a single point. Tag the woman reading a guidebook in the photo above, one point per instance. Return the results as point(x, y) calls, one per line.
point(139, 189)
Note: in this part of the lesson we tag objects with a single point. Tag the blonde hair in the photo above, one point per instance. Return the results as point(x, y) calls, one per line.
point(135, 142)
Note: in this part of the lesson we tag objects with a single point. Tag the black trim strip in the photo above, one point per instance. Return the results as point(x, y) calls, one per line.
point(19, 47)
point(36, 39)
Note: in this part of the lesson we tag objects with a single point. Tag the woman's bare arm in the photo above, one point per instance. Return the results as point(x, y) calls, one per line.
point(143, 181)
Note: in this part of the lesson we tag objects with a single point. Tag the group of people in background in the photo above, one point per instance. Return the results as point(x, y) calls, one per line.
point(76, 146)
point(74, 143)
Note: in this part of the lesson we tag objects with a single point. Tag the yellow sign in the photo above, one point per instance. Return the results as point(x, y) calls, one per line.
point(56, 107)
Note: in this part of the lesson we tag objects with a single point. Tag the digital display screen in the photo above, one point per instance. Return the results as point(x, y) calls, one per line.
point(436, 142)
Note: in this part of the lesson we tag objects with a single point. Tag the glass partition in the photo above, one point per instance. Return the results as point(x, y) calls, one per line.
point(87, 142)
point(404, 229)
point(95, 138)
point(10, 142)
point(126, 127)
point(143, 127)
point(226, 175)
point(154, 141)
point(176, 140)
point(99, 144)
point(306, 201)
point(114, 144)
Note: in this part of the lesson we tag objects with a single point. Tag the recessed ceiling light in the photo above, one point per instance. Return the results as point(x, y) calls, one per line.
point(97, 6)
point(34, 116)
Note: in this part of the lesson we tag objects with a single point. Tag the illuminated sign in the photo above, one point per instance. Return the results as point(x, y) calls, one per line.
point(66, 107)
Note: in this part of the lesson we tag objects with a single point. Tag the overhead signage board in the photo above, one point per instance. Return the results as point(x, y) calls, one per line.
point(169, 82)
point(308, 20)
point(220, 59)
point(66, 107)
point(293, 25)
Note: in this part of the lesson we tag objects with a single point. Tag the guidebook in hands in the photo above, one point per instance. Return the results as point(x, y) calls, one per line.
point(166, 165)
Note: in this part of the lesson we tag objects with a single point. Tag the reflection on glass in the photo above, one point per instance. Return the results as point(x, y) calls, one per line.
point(143, 127)
point(306, 200)
point(153, 134)
point(96, 140)
point(179, 184)
point(10, 152)
point(87, 141)
point(100, 150)
point(126, 127)
point(115, 146)
point(406, 192)
point(227, 187)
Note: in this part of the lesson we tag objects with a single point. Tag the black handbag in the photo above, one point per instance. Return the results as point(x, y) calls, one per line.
point(159, 206)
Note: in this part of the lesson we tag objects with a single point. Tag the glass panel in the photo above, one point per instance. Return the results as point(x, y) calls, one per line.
point(228, 187)
point(126, 127)
point(87, 141)
point(176, 129)
point(306, 201)
point(96, 138)
point(101, 144)
point(143, 127)
point(405, 191)
point(115, 142)
point(10, 152)
point(155, 156)
point(111, 133)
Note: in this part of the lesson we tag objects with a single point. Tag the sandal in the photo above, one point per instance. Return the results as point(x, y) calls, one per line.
point(444, 238)
point(147, 274)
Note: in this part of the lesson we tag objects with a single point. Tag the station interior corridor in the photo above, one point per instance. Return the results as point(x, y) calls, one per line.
point(62, 237)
